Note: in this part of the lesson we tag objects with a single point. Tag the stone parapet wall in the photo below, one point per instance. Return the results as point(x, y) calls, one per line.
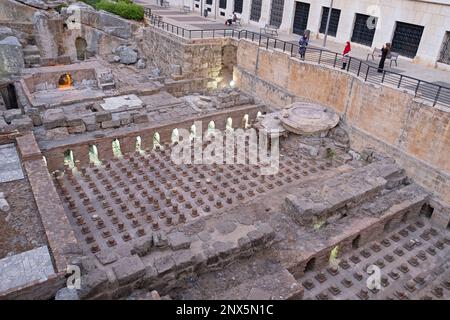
point(60, 236)
point(163, 262)
point(415, 134)
point(197, 58)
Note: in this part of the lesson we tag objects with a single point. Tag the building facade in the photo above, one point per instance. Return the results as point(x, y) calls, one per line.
point(417, 29)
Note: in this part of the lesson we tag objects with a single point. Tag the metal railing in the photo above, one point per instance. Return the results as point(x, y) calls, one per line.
point(432, 92)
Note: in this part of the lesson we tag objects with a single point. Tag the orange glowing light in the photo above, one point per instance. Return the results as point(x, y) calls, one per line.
point(65, 82)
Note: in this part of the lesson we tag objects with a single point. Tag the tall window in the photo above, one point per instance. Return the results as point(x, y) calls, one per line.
point(276, 12)
point(444, 57)
point(364, 29)
point(238, 6)
point(334, 21)
point(255, 12)
point(223, 4)
point(406, 39)
point(301, 17)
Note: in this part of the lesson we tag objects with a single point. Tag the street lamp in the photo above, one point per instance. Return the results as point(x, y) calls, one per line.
point(328, 24)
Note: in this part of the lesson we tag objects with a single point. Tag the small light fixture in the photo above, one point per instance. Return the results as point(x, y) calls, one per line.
point(232, 83)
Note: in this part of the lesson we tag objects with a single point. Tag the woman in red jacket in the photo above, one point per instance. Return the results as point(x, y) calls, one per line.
point(345, 54)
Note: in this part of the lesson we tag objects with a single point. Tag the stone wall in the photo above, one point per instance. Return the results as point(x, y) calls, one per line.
point(127, 138)
point(12, 10)
point(60, 236)
point(196, 58)
point(415, 134)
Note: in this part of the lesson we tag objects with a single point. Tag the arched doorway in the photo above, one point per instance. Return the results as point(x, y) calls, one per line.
point(80, 45)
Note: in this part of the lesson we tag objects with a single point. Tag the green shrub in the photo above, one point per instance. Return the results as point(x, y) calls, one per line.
point(92, 3)
point(123, 8)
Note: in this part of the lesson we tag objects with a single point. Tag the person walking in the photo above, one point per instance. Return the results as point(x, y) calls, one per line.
point(234, 17)
point(303, 43)
point(345, 54)
point(229, 21)
point(384, 53)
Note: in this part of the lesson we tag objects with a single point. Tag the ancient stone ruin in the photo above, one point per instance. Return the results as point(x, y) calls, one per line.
point(92, 111)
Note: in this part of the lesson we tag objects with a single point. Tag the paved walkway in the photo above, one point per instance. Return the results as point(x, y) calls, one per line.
point(194, 21)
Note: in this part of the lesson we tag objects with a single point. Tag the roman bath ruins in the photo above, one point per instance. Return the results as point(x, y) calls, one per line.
point(345, 196)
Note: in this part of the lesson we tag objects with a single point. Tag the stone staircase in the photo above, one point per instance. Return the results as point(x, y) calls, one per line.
point(31, 56)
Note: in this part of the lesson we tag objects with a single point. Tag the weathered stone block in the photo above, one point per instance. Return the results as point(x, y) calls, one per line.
point(93, 283)
point(183, 259)
point(140, 118)
point(54, 118)
point(12, 114)
point(160, 240)
point(11, 56)
point(77, 129)
point(22, 124)
point(91, 124)
point(129, 269)
point(107, 256)
point(102, 116)
point(256, 238)
point(164, 265)
point(111, 124)
point(223, 249)
point(142, 246)
point(178, 240)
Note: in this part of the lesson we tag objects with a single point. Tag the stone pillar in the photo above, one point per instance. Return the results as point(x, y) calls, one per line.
point(146, 140)
point(165, 135)
point(105, 150)
point(127, 144)
point(81, 155)
point(55, 160)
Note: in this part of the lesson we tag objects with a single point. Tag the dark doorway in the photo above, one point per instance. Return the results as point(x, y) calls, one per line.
point(8, 93)
point(310, 265)
point(364, 29)
point(387, 226)
point(81, 45)
point(406, 39)
point(405, 217)
point(301, 17)
point(426, 210)
point(355, 242)
point(334, 21)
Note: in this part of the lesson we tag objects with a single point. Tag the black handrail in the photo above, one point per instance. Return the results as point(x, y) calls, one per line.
point(436, 94)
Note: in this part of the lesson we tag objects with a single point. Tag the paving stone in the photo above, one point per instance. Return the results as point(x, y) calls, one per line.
point(24, 268)
point(226, 227)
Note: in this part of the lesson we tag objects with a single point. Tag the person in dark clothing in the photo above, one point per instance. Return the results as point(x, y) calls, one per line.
point(303, 43)
point(384, 53)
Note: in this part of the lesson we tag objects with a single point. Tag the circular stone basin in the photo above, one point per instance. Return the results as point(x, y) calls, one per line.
point(272, 125)
point(307, 118)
